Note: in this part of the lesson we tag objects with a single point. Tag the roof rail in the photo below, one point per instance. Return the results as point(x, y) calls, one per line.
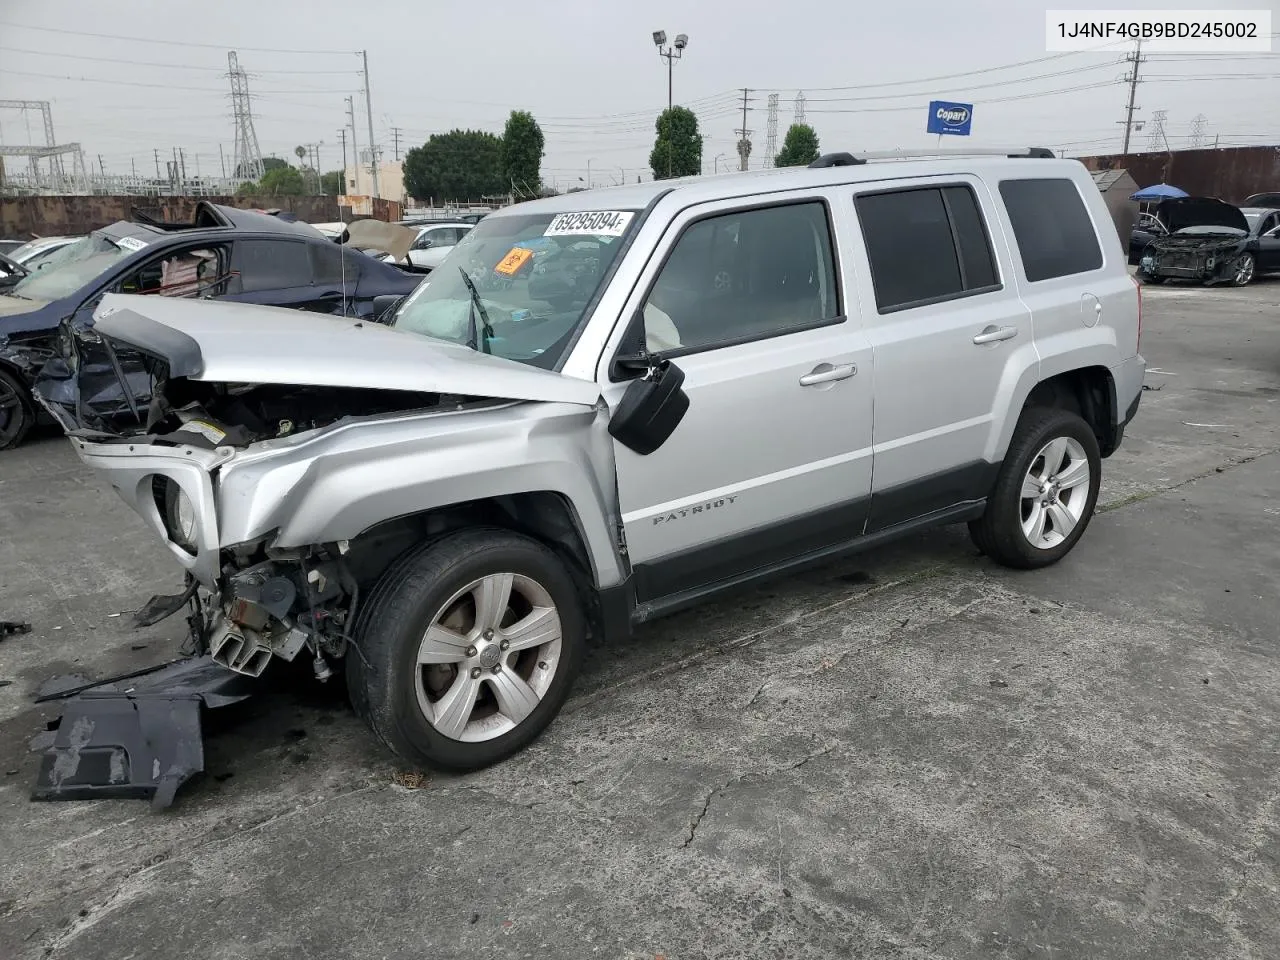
point(845, 159)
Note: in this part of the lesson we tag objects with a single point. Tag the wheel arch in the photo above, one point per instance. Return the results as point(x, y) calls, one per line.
point(1090, 392)
point(546, 516)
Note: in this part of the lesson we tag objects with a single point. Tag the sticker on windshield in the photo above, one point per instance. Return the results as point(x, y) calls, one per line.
point(131, 243)
point(516, 258)
point(605, 223)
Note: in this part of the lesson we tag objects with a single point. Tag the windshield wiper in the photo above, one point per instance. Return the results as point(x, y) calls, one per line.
point(477, 306)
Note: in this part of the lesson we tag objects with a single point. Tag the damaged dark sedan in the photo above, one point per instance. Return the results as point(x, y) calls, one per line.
point(222, 253)
point(1208, 241)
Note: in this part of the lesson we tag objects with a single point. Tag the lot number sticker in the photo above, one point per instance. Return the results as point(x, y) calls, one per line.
point(516, 258)
point(601, 223)
point(131, 243)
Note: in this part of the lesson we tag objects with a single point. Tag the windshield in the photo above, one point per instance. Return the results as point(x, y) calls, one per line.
point(532, 276)
point(65, 271)
point(1205, 230)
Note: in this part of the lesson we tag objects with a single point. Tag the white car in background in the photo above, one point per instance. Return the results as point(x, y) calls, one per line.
point(434, 243)
point(32, 253)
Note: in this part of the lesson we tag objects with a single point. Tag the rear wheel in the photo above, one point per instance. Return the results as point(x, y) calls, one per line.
point(17, 412)
point(1045, 494)
point(473, 645)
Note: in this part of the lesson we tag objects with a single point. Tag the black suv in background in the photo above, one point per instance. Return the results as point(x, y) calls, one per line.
point(225, 253)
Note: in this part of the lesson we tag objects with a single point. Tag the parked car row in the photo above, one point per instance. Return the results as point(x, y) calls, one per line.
point(225, 253)
point(1207, 240)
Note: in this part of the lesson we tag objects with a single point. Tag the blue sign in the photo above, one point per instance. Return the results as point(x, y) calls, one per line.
point(954, 119)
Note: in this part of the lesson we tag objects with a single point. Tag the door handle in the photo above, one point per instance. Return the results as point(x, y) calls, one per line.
point(825, 373)
point(995, 334)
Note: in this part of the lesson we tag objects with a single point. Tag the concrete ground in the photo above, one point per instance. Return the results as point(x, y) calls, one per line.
point(912, 753)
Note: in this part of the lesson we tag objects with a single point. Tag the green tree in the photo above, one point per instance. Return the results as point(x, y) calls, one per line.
point(522, 146)
point(331, 183)
point(458, 165)
point(677, 151)
point(799, 149)
point(247, 189)
point(282, 182)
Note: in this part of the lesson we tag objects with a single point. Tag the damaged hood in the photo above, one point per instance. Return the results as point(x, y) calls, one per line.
point(1200, 212)
point(240, 343)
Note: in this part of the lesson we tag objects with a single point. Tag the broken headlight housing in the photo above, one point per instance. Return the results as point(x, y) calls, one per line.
point(178, 512)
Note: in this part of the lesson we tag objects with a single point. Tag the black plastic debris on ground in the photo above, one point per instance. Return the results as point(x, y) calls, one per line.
point(9, 628)
point(134, 736)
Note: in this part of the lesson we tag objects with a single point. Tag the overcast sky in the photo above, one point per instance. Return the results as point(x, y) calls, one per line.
point(589, 72)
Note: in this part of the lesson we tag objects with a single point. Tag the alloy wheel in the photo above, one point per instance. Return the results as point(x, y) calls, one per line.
point(12, 413)
point(1054, 492)
point(488, 657)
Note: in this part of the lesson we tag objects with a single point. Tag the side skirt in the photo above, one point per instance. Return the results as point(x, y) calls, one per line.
point(673, 602)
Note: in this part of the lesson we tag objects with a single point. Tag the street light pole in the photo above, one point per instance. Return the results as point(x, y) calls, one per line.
point(671, 54)
point(589, 159)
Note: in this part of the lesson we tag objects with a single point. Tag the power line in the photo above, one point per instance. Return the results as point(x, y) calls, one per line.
point(167, 43)
point(169, 66)
point(968, 73)
point(981, 86)
point(1009, 99)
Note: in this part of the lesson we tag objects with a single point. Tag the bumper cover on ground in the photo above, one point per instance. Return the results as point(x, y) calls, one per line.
point(136, 736)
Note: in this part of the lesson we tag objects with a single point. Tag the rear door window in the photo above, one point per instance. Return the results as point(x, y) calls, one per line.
point(925, 245)
point(273, 265)
point(1052, 226)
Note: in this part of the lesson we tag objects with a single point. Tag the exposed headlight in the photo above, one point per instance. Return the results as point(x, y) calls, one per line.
point(178, 511)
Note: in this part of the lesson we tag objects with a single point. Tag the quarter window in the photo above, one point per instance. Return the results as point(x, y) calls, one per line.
point(1052, 226)
point(743, 276)
point(925, 245)
point(327, 263)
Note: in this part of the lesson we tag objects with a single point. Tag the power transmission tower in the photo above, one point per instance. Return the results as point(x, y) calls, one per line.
point(1131, 78)
point(744, 135)
point(771, 135)
point(798, 108)
point(248, 155)
point(1157, 132)
point(395, 136)
point(368, 109)
point(1197, 130)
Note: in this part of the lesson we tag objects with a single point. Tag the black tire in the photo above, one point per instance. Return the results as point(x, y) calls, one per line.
point(17, 411)
point(998, 532)
point(403, 605)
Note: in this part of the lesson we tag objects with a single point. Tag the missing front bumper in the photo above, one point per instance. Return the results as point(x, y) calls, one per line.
point(136, 736)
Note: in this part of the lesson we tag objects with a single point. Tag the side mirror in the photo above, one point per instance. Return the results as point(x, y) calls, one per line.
point(651, 408)
point(424, 244)
point(384, 306)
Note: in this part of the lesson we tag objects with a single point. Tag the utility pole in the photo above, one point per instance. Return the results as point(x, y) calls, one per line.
point(157, 153)
point(343, 134)
point(182, 163)
point(173, 177)
point(1135, 58)
point(368, 110)
point(395, 134)
point(222, 160)
point(355, 141)
point(671, 54)
point(101, 169)
point(744, 145)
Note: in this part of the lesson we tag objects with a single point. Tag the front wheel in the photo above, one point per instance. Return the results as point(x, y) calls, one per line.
point(1045, 493)
point(472, 646)
point(17, 412)
point(1244, 271)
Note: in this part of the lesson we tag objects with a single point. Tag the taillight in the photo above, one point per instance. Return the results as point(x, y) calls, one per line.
point(1138, 286)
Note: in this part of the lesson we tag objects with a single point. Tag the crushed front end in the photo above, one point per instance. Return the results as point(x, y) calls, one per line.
point(1208, 260)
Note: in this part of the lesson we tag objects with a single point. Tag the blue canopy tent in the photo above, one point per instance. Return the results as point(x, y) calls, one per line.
point(1161, 191)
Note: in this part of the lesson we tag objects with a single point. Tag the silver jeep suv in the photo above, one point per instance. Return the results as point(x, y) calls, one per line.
point(606, 406)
